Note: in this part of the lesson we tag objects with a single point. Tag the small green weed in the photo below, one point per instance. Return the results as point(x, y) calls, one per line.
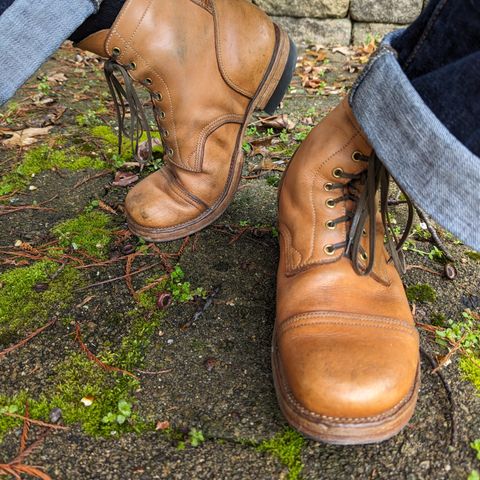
point(180, 290)
point(476, 446)
point(474, 475)
point(123, 413)
point(196, 437)
point(467, 332)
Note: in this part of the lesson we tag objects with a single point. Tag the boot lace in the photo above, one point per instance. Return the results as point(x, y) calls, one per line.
point(126, 99)
point(361, 189)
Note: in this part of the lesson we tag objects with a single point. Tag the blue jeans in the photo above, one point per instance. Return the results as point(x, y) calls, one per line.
point(417, 100)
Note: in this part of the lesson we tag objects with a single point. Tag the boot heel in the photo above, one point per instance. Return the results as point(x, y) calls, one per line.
point(275, 99)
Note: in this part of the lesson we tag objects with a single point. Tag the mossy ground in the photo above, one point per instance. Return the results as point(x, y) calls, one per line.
point(89, 232)
point(287, 446)
point(46, 158)
point(29, 296)
point(207, 374)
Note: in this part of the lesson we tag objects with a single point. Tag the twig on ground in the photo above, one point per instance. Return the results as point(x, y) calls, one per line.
point(116, 279)
point(91, 356)
point(32, 335)
point(433, 232)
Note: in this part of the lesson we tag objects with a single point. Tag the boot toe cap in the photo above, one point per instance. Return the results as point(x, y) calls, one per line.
point(153, 206)
point(350, 371)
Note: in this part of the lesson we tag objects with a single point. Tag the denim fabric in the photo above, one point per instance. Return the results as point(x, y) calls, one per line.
point(4, 4)
point(103, 19)
point(440, 54)
point(437, 171)
point(30, 32)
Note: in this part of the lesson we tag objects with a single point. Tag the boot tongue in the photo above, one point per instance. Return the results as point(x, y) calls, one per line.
point(95, 43)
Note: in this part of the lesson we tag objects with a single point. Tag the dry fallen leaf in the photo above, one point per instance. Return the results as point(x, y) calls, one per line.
point(123, 179)
point(58, 78)
point(163, 425)
point(278, 121)
point(23, 138)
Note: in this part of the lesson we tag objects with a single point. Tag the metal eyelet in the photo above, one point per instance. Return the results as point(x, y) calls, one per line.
point(158, 96)
point(162, 114)
point(337, 172)
point(330, 224)
point(166, 133)
point(328, 187)
point(330, 203)
point(364, 233)
point(116, 51)
point(364, 256)
point(133, 66)
point(356, 156)
point(148, 81)
point(170, 152)
point(329, 250)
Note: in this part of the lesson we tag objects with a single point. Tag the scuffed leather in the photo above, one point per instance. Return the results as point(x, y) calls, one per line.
point(347, 344)
point(207, 60)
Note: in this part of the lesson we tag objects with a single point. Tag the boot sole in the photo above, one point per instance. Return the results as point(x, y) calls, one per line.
point(268, 97)
point(341, 431)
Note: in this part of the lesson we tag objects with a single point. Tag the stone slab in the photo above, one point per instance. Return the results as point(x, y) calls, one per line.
point(318, 32)
point(362, 31)
point(385, 11)
point(305, 8)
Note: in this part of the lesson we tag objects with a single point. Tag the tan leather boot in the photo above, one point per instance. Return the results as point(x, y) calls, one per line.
point(208, 64)
point(345, 350)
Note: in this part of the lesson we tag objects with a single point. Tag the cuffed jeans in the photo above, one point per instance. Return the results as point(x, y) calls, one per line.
point(418, 102)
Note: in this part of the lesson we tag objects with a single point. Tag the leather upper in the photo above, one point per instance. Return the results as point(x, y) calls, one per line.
point(347, 343)
point(203, 60)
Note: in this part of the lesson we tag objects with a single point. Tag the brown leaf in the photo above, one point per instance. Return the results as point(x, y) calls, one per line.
point(278, 121)
point(57, 78)
point(143, 149)
point(123, 179)
point(22, 138)
point(163, 425)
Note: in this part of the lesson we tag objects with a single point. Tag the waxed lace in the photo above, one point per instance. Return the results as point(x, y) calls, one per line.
point(373, 179)
point(126, 100)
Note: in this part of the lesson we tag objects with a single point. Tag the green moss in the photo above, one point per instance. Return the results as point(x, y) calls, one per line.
point(470, 369)
point(473, 255)
point(287, 447)
point(37, 409)
point(44, 158)
point(28, 296)
point(110, 138)
point(421, 292)
point(81, 378)
point(88, 232)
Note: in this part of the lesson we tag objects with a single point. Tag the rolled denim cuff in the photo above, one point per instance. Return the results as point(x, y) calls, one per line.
point(434, 168)
point(32, 31)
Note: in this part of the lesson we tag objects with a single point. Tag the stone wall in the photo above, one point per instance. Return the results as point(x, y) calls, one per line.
point(341, 22)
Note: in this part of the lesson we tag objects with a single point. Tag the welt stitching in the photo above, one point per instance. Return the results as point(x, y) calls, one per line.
point(220, 55)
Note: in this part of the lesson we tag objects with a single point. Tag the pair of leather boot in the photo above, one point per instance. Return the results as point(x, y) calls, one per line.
point(345, 350)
